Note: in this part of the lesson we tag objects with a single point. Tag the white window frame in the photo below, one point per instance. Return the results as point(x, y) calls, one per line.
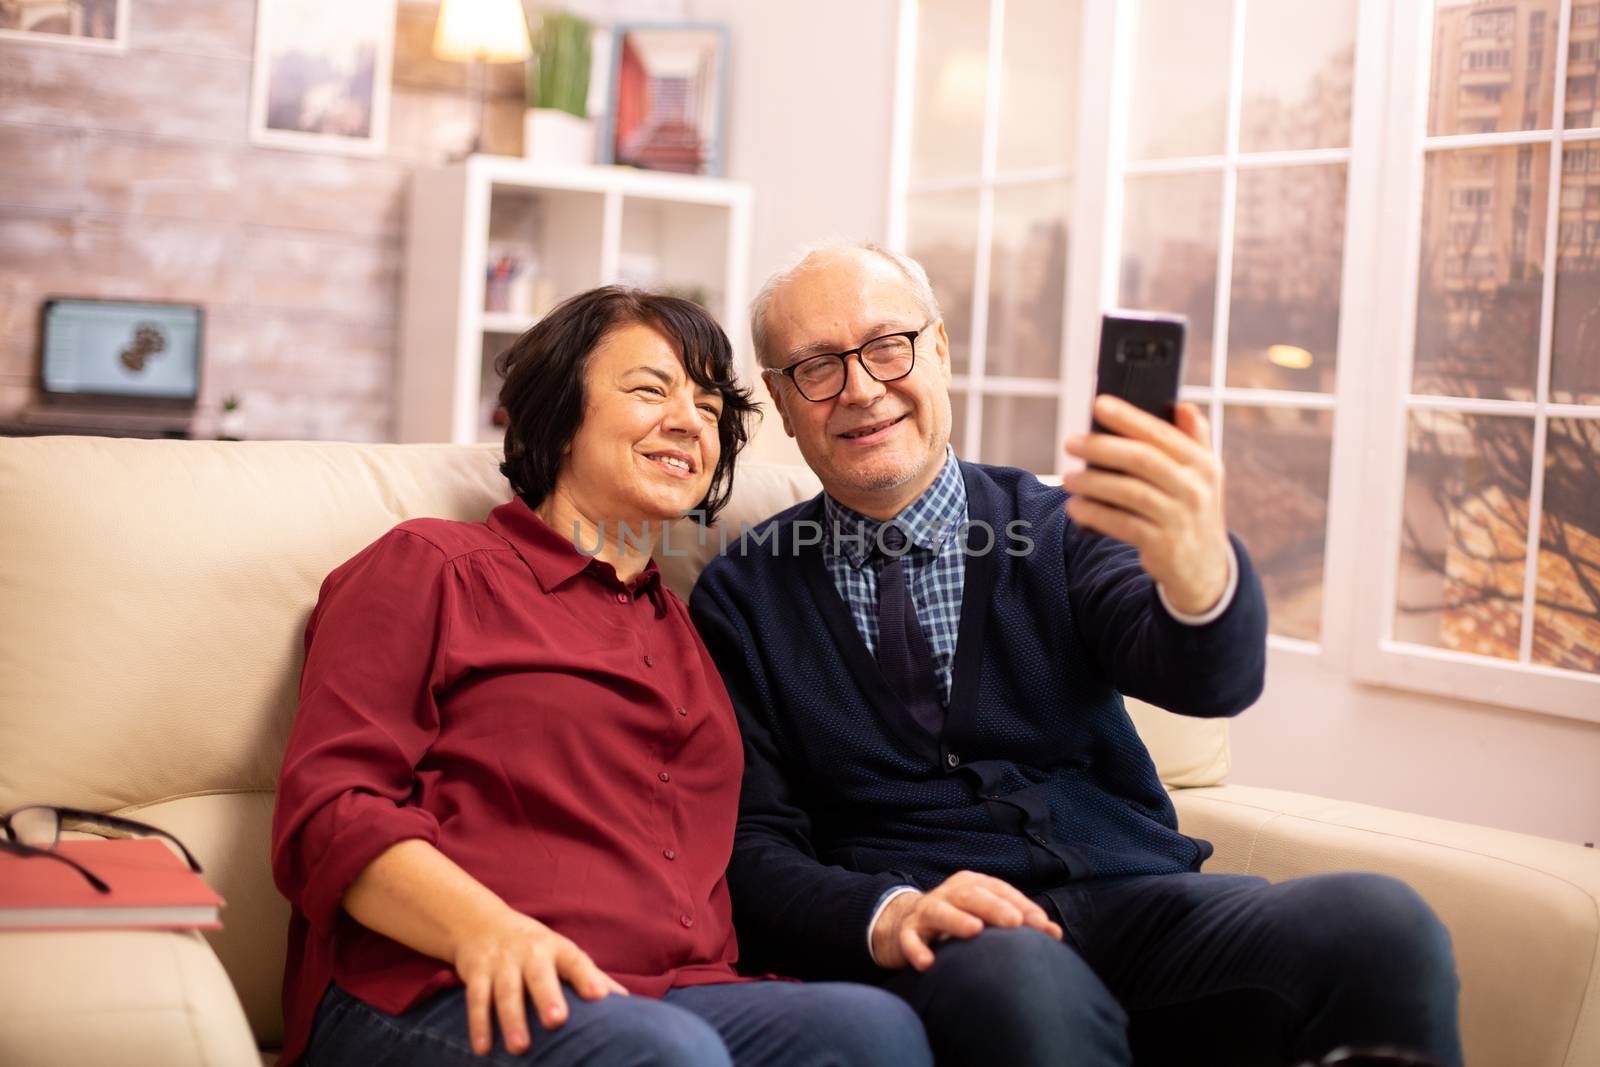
point(1371, 397)
point(1386, 661)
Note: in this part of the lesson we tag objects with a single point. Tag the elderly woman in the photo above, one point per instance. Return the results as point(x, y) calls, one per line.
point(511, 788)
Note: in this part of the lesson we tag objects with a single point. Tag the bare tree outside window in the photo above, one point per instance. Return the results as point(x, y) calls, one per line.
point(1470, 477)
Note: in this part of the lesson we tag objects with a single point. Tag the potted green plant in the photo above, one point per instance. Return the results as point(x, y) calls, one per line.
point(556, 127)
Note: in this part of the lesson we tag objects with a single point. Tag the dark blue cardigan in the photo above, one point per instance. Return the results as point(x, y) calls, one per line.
point(1038, 778)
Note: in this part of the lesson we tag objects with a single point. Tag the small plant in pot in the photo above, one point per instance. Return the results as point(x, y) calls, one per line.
point(556, 127)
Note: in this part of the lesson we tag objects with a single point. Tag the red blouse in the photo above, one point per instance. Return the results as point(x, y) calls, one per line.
point(562, 736)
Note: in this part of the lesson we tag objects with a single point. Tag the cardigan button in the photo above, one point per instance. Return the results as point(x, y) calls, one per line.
point(952, 760)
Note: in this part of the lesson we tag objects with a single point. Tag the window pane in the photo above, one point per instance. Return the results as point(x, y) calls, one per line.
point(1583, 62)
point(1465, 533)
point(1299, 67)
point(1288, 259)
point(1493, 66)
point(1027, 280)
point(1575, 356)
point(952, 78)
point(1277, 497)
point(1039, 83)
point(1180, 79)
point(1480, 279)
point(942, 235)
point(1020, 431)
point(1170, 231)
point(1566, 617)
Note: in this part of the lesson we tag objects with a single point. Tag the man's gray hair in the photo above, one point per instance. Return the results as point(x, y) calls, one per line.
point(916, 277)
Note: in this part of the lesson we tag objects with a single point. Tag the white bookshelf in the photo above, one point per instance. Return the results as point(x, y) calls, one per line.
point(575, 228)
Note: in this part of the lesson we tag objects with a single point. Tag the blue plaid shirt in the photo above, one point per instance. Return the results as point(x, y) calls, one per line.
point(935, 564)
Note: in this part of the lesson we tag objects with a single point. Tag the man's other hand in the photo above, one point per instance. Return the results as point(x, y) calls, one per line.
point(961, 906)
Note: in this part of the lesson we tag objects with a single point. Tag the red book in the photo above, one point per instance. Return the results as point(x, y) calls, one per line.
point(152, 888)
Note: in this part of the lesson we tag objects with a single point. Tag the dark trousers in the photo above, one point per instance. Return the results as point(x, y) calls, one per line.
point(782, 1024)
point(1195, 970)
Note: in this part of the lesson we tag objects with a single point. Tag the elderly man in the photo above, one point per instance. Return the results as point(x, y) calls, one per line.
point(943, 791)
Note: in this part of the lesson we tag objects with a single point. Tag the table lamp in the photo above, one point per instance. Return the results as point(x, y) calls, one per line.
point(480, 32)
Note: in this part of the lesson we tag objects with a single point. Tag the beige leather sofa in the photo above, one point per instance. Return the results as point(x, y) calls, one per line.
point(152, 600)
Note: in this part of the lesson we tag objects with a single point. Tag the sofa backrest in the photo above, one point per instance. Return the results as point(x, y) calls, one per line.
point(153, 601)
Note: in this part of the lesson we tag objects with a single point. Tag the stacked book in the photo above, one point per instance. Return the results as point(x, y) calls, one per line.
point(151, 889)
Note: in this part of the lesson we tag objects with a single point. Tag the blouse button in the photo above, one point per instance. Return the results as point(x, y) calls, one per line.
point(622, 598)
point(649, 662)
point(667, 852)
point(684, 712)
point(664, 776)
point(686, 920)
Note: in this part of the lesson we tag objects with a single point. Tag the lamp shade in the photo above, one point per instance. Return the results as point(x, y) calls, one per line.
point(495, 31)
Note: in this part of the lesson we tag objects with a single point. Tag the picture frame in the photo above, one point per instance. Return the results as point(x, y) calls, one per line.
point(667, 105)
point(95, 24)
point(321, 78)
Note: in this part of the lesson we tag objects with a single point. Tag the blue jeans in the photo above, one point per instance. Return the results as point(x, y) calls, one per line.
point(784, 1024)
point(1198, 970)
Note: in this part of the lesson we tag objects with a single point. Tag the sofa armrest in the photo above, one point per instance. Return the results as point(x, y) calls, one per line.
point(1523, 912)
point(118, 997)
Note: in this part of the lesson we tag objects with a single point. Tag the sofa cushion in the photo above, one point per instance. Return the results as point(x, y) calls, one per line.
point(1189, 752)
point(117, 996)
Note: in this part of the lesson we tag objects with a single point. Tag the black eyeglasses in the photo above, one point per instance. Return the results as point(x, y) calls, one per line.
point(887, 359)
point(36, 830)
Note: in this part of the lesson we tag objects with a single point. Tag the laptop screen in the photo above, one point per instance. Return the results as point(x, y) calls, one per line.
point(121, 348)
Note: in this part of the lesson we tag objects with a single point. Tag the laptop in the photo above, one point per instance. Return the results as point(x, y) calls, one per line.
point(116, 367)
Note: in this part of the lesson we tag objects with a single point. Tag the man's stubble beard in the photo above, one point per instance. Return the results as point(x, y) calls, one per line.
point(885, 481)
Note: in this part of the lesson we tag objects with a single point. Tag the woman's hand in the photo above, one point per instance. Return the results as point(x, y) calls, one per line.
point(418, 896)
point(506, 953)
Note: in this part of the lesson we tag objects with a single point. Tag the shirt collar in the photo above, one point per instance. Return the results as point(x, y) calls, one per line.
point(555, 560)
point(927, 521)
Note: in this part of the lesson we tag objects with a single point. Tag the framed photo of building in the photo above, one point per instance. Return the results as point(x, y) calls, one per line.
point(79, 23)
point(321, 77)
point(668, 97)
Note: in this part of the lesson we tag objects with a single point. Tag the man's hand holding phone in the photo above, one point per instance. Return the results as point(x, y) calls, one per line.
point(1158, 487)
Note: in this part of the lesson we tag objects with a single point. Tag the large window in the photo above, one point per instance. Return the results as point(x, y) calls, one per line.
point(1498, 513)
point(1382, 220)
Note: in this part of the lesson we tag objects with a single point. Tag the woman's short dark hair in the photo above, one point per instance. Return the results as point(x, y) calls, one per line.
point(545, 369)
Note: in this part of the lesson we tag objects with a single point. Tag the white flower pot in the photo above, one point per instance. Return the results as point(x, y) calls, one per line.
point(550, 135)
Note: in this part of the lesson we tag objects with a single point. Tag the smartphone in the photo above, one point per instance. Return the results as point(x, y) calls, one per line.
point(1141, 361)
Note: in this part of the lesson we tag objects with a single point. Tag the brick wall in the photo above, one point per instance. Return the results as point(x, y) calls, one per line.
point(130, 175)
